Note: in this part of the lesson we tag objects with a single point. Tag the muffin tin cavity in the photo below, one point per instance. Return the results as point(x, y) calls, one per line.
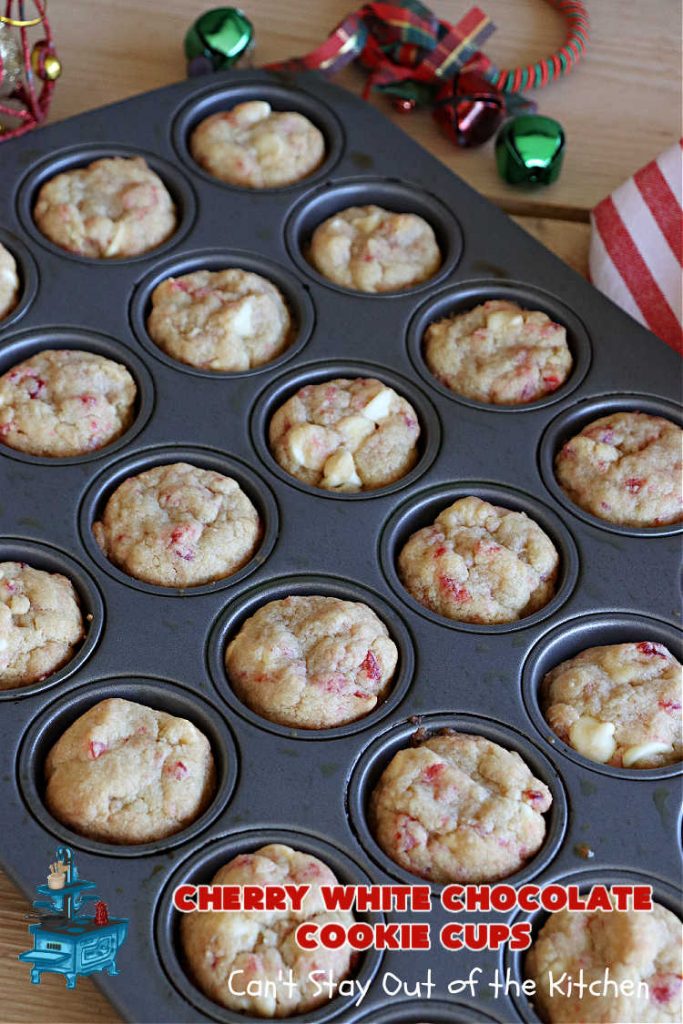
point(662, 893)
point(233, 617)
point(379, 753)
point(50, 559)
point(573, 637)
point(200, 868)
point(284, 387)
point(392, 194)
point(436, 1011)
point(29, 343)
point(217, 99)
point(572, 421)
point(422, 509)
point(172, 698)
point(105, 484)
point(75, 157)
point(28, 278)
point(464, 297)
point(296, 296)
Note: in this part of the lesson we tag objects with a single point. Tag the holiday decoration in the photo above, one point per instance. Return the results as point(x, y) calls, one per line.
point(217, 40)
point(471, 112)
point(421, 60)
point(530, 150)
point(11, 60)
point(22, 104)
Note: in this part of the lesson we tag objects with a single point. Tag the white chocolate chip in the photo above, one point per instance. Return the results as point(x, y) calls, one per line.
point(593, 739)
point(378, 407)
point(643, 750)
point(269, 144)
point(4, 644)
point(309, 445)
point(242, 321)
point(20, 604)
point(369, 223)
point(354, 430)
point(251, 112)
point(503, 320)
point(340, 470)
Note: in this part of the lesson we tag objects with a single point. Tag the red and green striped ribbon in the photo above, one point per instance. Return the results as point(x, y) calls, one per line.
point(535, 76)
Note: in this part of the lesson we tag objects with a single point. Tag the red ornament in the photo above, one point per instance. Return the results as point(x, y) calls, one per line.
point(101, 914)
point(39, 67)
point(469, 109)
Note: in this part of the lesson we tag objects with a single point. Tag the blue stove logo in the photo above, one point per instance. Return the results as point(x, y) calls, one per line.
point(66, 940)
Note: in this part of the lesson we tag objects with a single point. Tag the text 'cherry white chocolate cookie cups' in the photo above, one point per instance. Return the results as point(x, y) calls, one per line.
point(570, 639)
point(514, 961)
point(48, 559)
point(377, 756)
point(229, 623)
point(421, 510)
point(296, 297)
point(253, 489)
point(158, 694)
point(200, 868)
point(569, 423)
point(79, 157)
point(27, 344)
point(285, 387)
point(223, 98)
point(459, 299)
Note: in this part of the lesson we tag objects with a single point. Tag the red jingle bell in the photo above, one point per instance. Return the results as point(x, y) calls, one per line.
point(469, 109)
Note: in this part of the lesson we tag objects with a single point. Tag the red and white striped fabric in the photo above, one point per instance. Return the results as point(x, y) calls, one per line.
point(636, 249)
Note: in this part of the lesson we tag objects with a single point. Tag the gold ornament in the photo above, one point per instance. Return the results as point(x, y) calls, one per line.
point(45, 63)
point(12, 60)
point(5, 19)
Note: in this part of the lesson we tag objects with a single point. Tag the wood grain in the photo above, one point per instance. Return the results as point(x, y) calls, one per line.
point(619, 108)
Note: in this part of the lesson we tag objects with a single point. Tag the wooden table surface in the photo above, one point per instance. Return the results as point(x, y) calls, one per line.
point(619, 109)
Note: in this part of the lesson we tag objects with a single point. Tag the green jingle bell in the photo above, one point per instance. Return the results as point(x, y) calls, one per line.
point(217, 40)
point(530, 150)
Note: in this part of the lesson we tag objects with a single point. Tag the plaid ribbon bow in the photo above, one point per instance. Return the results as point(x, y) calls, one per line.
point(396, 42)
point(413, 55)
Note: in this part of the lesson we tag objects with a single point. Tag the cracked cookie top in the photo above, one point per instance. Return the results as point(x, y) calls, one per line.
point(499, 353)
point(179, 526)
point(254, 146)
point(41, 625)
point(312, 662)
point(480, 563)
point(9, 282)
point(261, 944)
point(636, 946)
point(371, 249)
point(125, 773)
point(618, 705)
point(114, 207)
point(226, 320)
point(346, 435)
point(64, 402)
point(626, 469)
point(459, 808)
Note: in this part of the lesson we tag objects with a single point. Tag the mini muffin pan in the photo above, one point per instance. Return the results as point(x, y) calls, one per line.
point(165, 648)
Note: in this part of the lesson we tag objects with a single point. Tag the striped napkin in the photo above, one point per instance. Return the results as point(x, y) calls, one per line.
point(637, 246)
